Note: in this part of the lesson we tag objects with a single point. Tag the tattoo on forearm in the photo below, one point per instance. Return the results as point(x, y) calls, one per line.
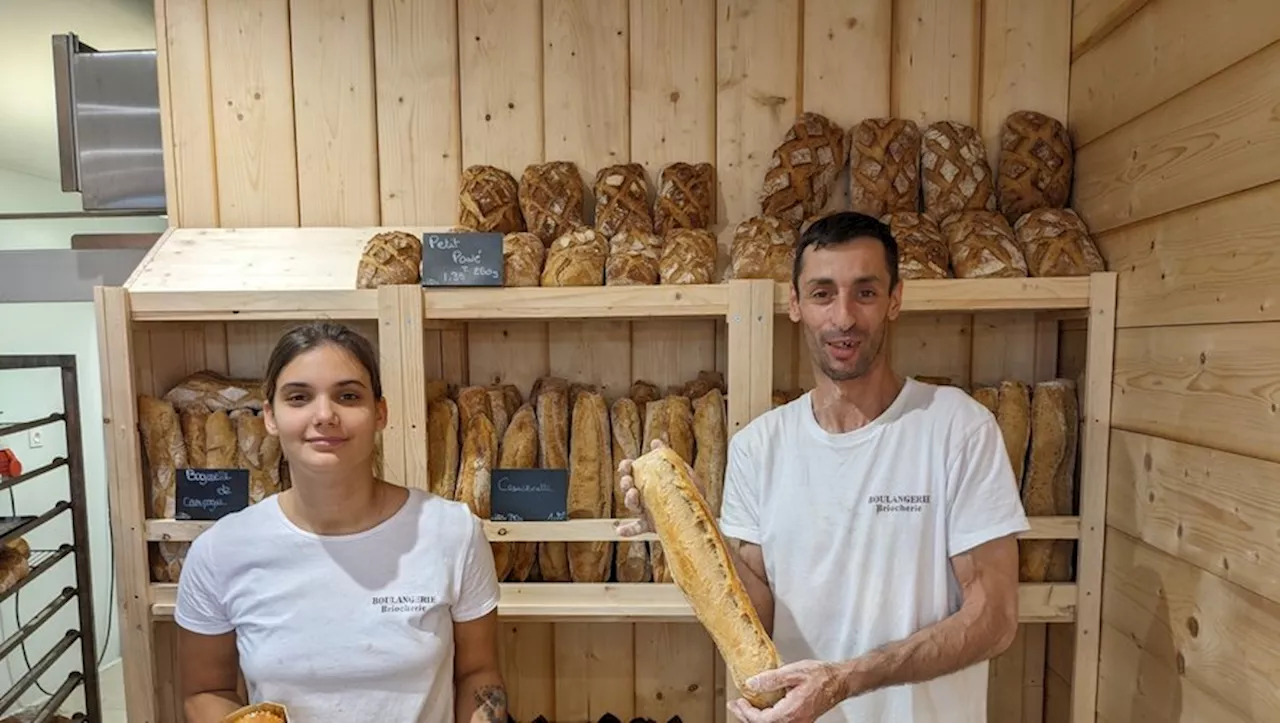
point(492, 702)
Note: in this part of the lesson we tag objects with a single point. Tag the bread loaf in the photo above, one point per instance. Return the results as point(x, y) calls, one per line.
point(982, 245)
point(390, 257)
point(576, 259)
point(590, 484)
point(216, 392)
point(688, 257)
point(435, 389)
point(669, 419)
point(1013, 414)
point(488, 200)
point(988, 397)
point(642, 392)
point(515, 560)
point(884, 166)
point(700, 565)
point(498, 409)
point(785, 396)
point(259, 453)
point(764, 247)
point(705, 381)
point(164, 450)
point(954, 172)
point(13, 567)
point(552, 410)
point(478, 460)
point(552, 199)
point(686, 197)
point(259, 713)
point(632, 558)
point(622, 200)
point(803, 168)
point(633, 259)
point(443, 425)
point(922, 251)
point(711, 443)
point(1056, 242)
point(1062, 560)
point(193, 419)
point(1035, 165)
point(473, 401)
point(22, 547)
point(1050, 464)
point(220, 444)
point(522, 257)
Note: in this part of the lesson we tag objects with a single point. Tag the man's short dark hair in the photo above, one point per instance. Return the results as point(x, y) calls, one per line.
point(842, 227)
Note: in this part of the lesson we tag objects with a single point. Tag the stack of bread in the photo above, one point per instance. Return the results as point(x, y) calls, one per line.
point(206, 421)
point(1040, 425)
point(472, 430)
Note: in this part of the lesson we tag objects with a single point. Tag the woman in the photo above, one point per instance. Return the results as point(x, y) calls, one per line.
point(344, 598)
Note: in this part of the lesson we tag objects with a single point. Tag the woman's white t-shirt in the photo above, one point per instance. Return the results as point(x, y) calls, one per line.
point(343, 628)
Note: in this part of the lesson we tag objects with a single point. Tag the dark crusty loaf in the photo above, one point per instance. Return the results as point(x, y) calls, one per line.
point(884, 166)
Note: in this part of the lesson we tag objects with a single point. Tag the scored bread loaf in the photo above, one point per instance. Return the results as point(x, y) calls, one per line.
point(576, 259)
point(642, 392)
point(1035, 164)
point(706, 380)
point(590, 484)
point(473, 401)
point(522, 257)
point(631, 558)
point(669, 419)
point(622, 199)
point(955, 174)
point(922, 251)
point(1050, 465)
point(686, 197)
point(519, 451)
point(884, 166)
point(259, 453)
point(1056, 242)
point(763, 247)
point(710, 436)
point(220, 444)
point(1062, 560)
point(479, 458)
point(194, 420)
point(981, 245)
point(1013, 415)
point(489, 200)
point(700, 565)
point(216, 392)
point(551, 406)
point(442, 447)
point(164, 450)
point(390, 257)
point(688, 257)
point(259, 713)
point(552, 199)
point(633, 259)
point(803, 168)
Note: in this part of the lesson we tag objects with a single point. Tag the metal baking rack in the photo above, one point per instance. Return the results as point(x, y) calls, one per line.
point(43, 560)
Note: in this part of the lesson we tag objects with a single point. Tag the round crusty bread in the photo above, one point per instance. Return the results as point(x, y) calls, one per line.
point(698, 561)
point(259, 713)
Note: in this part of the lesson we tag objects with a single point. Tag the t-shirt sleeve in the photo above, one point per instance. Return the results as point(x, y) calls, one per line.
point(479, 591)
point(199, 606)
point(739, 505)
point(984, 500)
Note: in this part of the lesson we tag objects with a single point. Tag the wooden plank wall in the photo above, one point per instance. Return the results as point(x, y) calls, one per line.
point(1174, 109)
point(364, 112)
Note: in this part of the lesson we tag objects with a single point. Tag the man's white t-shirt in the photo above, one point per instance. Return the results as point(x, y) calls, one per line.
point(343, 628)
point(857, 530)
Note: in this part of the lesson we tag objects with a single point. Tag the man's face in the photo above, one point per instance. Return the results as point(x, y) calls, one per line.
point(845, 305)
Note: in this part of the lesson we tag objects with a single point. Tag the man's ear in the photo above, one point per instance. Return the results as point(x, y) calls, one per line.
point(793, 305)
point(895, 300)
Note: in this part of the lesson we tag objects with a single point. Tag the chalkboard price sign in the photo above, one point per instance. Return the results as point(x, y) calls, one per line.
point(210, 494)
point(530, 495)
point(462, 259)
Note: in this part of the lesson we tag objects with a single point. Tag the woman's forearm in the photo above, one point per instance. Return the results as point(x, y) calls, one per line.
point(481, 698)
point(211, 706)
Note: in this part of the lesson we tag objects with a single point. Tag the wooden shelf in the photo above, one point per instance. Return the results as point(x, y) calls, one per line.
point(961, 295)
point(657, 602)
point(1042, 528)
point(253, 305)
point(577, 302)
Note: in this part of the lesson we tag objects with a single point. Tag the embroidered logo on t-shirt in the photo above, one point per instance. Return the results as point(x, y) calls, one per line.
point(403, 603)
point(899, 503)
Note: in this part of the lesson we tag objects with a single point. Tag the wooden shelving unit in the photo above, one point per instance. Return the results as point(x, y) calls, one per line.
point(217, 299)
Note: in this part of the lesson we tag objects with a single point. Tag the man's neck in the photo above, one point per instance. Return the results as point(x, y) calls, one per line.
point(335, 504)
point(848, 405)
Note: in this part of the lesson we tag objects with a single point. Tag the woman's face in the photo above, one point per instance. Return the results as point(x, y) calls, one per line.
point(324, 411)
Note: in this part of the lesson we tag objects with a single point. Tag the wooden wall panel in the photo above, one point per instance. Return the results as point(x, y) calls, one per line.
point(1173, 105)
point(363, 112)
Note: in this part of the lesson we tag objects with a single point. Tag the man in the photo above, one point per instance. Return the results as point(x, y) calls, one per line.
point(873, 519)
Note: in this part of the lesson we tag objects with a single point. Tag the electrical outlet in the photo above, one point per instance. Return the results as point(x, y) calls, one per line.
point(35, 438)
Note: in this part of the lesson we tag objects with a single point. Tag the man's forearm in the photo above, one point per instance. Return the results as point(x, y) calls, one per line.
point(481, 696)
point(211, 706)
point(756, 587)
point(971, 635)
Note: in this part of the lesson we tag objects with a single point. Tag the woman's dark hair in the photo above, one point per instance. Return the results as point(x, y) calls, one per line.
point(313, 335)
point(842, 227)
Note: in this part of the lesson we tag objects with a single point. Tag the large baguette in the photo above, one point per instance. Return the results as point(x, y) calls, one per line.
point(1051, 461)
point(442, 447)
point(590, 484)
point(551, 406)
point(699, 564)
point(669, 419)
point(632, 564)
point(711, 444)
point(515, 560)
